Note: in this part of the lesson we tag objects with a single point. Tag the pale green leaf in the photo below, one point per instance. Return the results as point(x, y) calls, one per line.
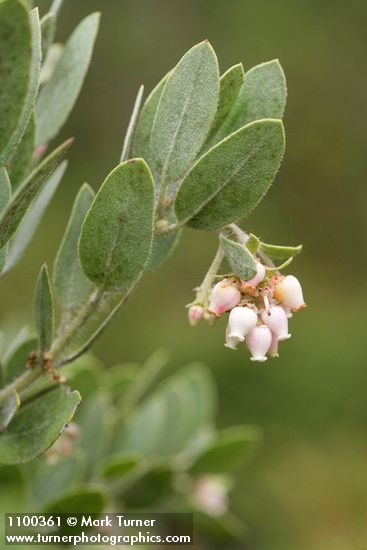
point(229, 86)
point(48, 27)
point(29, 224)
point(228, 182)
point(50, 63)
point(282, 253)
point(24, 195)
point(44, 310)
point(71, 286)
point(117, 232)
point(21, 161)
point(15, 66)
point(253, 243)
point(37, 425)
point(32, 90)
point(129, 136)
point(240, 259)
point(185, 112)
point(263, 95)
point(8, 407)
point(5, 194)
point(141, 144)
point(59, 94)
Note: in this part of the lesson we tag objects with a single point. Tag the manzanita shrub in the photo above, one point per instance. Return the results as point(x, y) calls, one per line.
point(201, 151)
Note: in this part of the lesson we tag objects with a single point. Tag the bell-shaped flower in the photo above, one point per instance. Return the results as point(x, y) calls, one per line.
point(195, 314)
point(276, 319)
point(259, 277)
point(273, 350)
point(241, 320)
point(224, 297)
point(258, 342)
point(288, 291)
point(231, 341)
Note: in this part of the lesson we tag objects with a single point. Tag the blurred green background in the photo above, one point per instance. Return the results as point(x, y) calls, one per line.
point(307, 487)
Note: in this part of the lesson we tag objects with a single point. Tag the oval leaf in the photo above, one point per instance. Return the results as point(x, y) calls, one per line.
point(59, 94)
point(117, 233)
point(263, 95)
point(71, 286)
point(15, 66)
point(37, 425)
point(44, 310)
point(228, 182)
point(240, 259)
point(280, 253)
point(185, 112)
point(22, 198)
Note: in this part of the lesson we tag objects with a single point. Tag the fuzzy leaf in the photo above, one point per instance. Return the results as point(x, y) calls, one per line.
point(239, 258)
point(282, 253)
point(44, 310)
point(185, 112)
point(5, 193)
point(32, 90)
point(229, 86)
point(126, 149)
point(22, 159)
point(15, 363)
point(37, 425)
point(71, 286)
point(15, 66)
point(33, 217)
point(59, 94)
point(263, 95)
point(117, 232)
point(228, 451)
point(167, 421)
point(26, 192)
point(162, 248)
point(228, 182)
point(141, 144)
point(8, 407)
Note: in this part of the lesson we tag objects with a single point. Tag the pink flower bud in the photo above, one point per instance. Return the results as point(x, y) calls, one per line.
point(273, 350)
point(231, 341)
point(241, 321)
point(258, 342)
point(210, 494)
point(277, 321)
point(195, 314)
point(288, 291)
point(259, 277)
point(224, 297)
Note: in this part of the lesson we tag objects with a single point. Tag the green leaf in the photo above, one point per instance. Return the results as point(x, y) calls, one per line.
point(229, 86)
point(162, 248)
point(240, 259)
point(141, 144)
point(185, 112)
point(48, 27)
point(32, 90)
point(50, 63)
point(71, 286)
point(8, 407)
point(117, 232)
point(22, 159)
point(90, 499)
point(26, 192)
point(253, 243)
point(230, 449)
point(49, 480)
point(59, 94)
point(126, 149)
point(280, 253)
point(228, 182)
point(29, 224)
point(15, 362)
point(119, 465)
point(117, 379)
point(149, 489)
point(5, 194)
point(263, 95)
point(179, 410)
point(15, 63)
point(37, 425)
point(44, 310)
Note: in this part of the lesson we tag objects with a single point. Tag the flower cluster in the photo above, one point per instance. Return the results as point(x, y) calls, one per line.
point(259, 310)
